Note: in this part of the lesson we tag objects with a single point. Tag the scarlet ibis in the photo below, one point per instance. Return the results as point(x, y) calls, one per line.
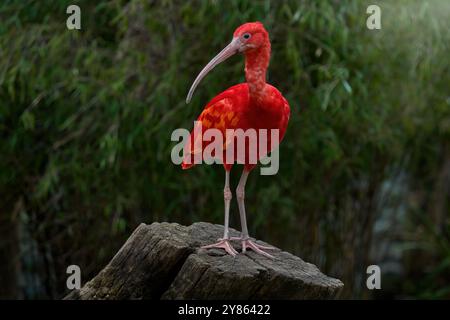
point(254, 104)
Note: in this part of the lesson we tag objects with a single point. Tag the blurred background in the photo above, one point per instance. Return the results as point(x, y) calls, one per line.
point(86, 118)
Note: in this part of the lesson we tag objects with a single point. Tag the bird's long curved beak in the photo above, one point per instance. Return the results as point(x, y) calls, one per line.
point(232, 48)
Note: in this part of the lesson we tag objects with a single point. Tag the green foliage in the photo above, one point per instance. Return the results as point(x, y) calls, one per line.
point(86, 118)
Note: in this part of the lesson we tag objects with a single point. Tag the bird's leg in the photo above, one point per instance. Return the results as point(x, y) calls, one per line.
point(245, 239)
point(224, 243)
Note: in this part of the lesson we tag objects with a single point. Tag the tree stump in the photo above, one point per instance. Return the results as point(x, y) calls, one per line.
point(165, 261)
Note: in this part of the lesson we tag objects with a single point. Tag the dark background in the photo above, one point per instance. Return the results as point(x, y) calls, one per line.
point(86, 118)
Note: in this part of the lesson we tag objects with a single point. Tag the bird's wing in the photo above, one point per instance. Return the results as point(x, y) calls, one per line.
point(221, 113)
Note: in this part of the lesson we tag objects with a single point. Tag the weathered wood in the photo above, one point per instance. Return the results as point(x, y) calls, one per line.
point(165, 261)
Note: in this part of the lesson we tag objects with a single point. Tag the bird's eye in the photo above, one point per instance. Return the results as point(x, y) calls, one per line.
point(246, 36)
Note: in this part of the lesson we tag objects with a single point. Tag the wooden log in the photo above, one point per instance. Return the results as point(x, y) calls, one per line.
point(165, 261)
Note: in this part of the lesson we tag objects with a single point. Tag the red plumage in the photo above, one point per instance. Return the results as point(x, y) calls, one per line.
point(250, 105)
point(234, 109)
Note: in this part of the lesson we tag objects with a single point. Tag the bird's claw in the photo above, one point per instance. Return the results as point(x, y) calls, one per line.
point(249, 244)
point(222, 244)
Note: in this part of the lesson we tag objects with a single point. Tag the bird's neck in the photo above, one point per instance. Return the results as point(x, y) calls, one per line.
point(256, 63)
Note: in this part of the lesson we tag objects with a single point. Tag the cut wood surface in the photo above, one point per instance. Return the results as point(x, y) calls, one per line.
point(165, 261)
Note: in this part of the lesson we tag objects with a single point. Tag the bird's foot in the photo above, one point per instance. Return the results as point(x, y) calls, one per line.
point(222, 244)
point(249, 244)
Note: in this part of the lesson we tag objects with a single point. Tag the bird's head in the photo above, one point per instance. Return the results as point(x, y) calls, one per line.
point(251, 36)
point(246, 38)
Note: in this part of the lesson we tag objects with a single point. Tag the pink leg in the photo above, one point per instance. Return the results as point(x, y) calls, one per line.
point(224, 243)
point(246, 242)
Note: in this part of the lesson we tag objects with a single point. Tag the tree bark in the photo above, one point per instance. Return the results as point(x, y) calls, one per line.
point(165, 261)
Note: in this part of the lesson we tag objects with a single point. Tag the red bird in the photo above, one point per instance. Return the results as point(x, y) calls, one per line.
point(253, 104)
